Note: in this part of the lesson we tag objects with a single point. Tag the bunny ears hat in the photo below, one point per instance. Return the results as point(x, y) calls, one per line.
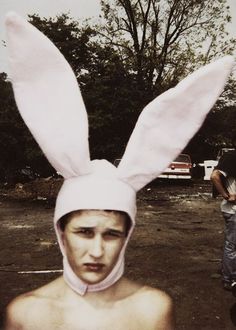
point(50, 102)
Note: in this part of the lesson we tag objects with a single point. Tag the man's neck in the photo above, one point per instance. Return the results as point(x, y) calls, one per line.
point(100, 298)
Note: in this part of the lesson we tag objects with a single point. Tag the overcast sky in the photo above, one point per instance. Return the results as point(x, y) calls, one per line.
point(77, 8)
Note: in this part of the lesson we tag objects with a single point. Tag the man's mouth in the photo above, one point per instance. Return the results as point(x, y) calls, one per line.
point(94, 267)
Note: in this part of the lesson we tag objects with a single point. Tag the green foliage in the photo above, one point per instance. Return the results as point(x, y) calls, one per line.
point(17, 147)
point(219, 128)
point(111, 99)
point(9, 127)
point(68, 36)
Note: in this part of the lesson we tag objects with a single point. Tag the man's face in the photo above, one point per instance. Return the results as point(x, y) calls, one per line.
point(93, 241)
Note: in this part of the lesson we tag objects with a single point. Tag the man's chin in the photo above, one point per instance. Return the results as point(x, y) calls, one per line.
point(92, 279)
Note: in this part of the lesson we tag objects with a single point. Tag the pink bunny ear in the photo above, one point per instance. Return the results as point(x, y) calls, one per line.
point(168, 123)
point(48, 97)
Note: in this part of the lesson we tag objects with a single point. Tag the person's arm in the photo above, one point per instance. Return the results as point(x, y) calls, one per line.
point(216, 178)
point(225, 168)
point(217, 181)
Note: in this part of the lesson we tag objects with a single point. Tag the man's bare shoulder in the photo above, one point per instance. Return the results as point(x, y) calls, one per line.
point(16, 310)
point(156, 297)
point(156, 306)
point(153, 306)
point(143, 292)
point(26, 307)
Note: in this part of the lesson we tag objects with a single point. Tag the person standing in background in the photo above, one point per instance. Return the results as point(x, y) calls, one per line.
point(223, 178)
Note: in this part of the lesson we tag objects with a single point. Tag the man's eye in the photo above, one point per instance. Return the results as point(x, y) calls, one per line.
point(85, 232)
point(114, 234)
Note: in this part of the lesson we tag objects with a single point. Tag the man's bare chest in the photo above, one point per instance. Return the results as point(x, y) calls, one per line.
point(90, 318)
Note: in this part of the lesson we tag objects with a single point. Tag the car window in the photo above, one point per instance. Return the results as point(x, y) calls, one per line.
point(183, 159)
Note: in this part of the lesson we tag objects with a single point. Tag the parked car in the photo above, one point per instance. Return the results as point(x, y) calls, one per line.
point(180, 168)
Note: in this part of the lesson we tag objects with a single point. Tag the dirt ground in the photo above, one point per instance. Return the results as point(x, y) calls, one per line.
point(177, 246)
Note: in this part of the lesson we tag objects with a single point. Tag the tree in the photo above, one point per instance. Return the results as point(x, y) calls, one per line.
point(111, 100)
point(161, 41)
point(164, 40)
point(17, 146)
point(71, 37)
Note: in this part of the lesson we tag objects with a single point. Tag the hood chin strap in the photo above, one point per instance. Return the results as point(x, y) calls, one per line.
point(77, 285)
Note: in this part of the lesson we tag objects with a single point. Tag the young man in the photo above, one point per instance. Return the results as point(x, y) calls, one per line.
point(224, 180)
point(92, 241)
point(96, 206)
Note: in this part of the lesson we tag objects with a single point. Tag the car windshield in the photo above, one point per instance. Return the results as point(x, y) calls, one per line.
point(183, 159)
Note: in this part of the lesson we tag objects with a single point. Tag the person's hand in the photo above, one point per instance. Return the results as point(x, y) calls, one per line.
point(232, 198)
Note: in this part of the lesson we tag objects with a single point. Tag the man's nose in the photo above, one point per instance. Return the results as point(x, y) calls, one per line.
point(97, 248)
